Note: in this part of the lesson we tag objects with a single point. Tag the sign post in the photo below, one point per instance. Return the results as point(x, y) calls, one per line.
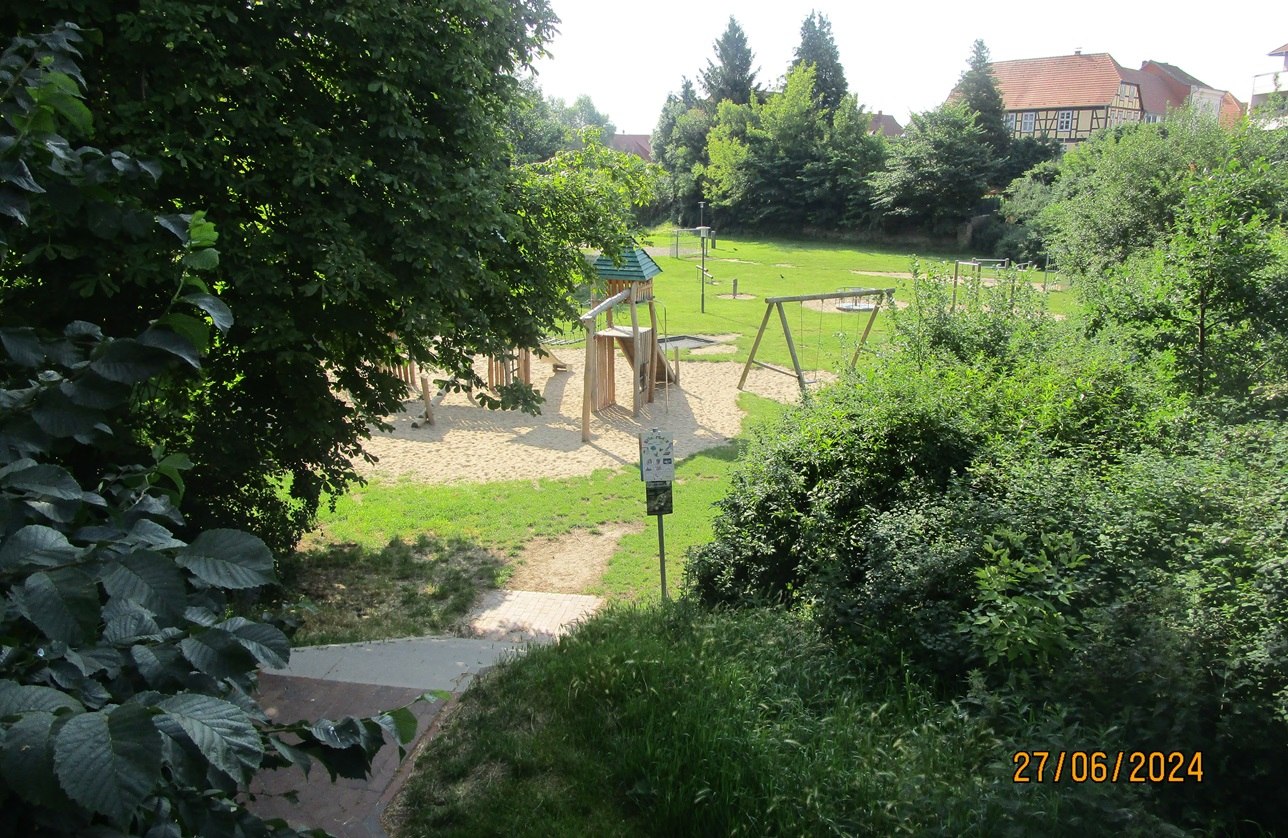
point(657, 470)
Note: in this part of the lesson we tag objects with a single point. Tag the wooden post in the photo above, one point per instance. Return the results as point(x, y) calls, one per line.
point(635, 361)
point(588, 381)
point(754, 346)
point(652, 350)
point(791, 348)
point(863, 340)
point(424, 394)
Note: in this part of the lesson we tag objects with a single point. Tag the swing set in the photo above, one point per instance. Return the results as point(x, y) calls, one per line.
point(850, 300)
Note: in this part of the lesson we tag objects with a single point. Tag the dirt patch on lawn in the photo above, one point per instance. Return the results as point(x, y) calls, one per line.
point(572, 563)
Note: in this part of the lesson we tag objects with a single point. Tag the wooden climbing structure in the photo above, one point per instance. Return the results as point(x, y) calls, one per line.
point(630, 283)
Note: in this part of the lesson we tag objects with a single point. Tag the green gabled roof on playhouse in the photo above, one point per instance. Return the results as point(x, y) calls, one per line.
point(636, 266)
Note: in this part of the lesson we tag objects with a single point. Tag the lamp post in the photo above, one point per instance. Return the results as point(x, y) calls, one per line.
point(702, 273)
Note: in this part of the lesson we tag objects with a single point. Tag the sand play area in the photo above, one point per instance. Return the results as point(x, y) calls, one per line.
point(471, 444)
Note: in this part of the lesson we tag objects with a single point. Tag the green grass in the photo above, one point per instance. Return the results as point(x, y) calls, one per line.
point(770, 268)
point(677, 721)
point(345, 593)
point(504, 516)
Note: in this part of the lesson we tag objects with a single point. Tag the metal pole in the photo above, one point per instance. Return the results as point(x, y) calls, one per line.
point(661, 553)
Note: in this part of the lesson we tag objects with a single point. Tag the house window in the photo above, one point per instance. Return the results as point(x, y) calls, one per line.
point(1008, 122)
point(1027, 122)
point(1065, 121)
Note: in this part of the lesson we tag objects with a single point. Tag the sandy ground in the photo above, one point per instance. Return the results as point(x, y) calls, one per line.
point(571, 563)
point(470, 444)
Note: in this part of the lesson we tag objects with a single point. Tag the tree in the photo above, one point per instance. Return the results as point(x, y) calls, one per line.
point(126, 688)
point(534, 125)
point(1212, 292)
point(937, 172)
point(357, 163)
point(817, 47)
point(1117, 193)
point(680, 147)
point(729, 74)
point(978, 88)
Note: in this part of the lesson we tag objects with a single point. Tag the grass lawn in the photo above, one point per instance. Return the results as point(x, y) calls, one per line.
point(397, 559)
point(768, 268)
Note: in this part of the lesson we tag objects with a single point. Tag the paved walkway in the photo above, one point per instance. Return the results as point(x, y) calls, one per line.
point(364, 679)
point(527, 616)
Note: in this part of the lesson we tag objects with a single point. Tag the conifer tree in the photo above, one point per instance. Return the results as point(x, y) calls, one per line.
point(818, 47)
point(978, 88)
point(729, 75)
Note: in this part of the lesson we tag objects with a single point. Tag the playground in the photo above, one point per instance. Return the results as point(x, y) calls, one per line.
point(706, 335)
point(469, 444)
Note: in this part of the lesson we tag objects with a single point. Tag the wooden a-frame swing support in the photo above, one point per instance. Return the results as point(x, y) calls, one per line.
point(772, 303)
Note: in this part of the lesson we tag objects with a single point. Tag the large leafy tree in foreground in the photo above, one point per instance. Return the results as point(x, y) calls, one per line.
point(125, 686)
point(356, 160)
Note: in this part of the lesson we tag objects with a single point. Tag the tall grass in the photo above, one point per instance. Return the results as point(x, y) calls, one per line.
point(680, 721)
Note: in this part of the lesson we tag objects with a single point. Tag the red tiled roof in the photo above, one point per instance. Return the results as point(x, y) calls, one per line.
point(885, 125)
point(641, 145)
point(1176, 73)
point(1159, 89)
point(1069, 81)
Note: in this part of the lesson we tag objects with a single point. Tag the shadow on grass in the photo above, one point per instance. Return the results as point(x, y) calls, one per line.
point(344, 593)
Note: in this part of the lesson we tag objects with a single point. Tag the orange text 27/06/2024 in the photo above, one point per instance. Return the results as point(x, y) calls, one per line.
point(1108, 767)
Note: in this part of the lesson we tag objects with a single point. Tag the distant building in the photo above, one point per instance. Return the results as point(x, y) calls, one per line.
point(885, 125)
point(641, 145)
point(1067, 97)
point(1266, 84)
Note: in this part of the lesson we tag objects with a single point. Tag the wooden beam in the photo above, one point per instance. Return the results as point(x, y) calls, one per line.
point(754, 346)
point(791, 348)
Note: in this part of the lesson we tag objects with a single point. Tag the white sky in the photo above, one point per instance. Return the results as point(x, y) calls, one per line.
point(899, 57)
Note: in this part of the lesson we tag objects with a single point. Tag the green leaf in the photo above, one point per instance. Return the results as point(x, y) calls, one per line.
point(201, 233)
point(228, 559)
point(17, 173)
point(196, 331)
point(404, 724)
point(27, 759)
point(59, 417)
point(269, 646)
point(202, 260)
point(222, 732)
point(173, 343)
point(36, 545)
point(93, 391)
point(16, 699)
point(160, 666)
point(217, 653)
point(63, 603)
point(23, 346)
point(44, 480)
point(129, 361)
point(128, 622)
point(176, 224)
point(148, 579)
point(109, 761)
point(212, 305)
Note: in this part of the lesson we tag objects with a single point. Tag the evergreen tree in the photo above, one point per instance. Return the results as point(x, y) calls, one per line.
point(978, 88)
point(817, 47)
point(729, 74)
